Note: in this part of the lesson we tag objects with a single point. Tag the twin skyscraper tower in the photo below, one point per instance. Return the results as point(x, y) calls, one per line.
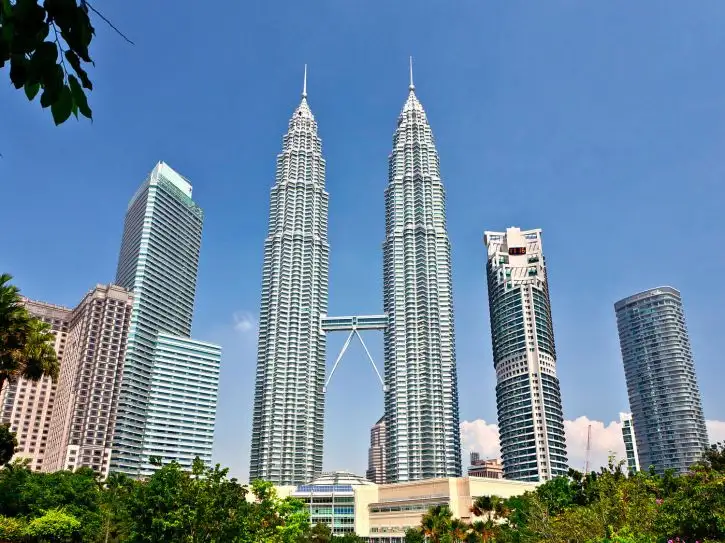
point(422, 437)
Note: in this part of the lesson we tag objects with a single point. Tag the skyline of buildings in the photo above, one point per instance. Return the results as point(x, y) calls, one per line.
point(528, 397)
point(289, 402)
point(421, 383)
point(667, 416)
point(165, 385)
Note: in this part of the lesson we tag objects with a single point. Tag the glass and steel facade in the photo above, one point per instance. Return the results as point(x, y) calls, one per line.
point(182, 402)
point(288, 418)
point(630, 443)
point(421, 387)
point(158, 261)
point(528, 398)
point(664, 397)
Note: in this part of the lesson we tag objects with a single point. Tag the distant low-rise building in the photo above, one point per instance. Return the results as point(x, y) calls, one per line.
point(382, 513)
point(491, 468)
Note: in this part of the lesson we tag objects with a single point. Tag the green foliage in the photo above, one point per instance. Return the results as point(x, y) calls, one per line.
point(349, 538)
point(41, 43)
point(8, 444)
point(600, 507)
point(413, 535)
point(11, 529)
point(55, 526)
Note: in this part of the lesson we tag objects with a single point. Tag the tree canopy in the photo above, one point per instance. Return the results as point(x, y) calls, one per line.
point(601, 507)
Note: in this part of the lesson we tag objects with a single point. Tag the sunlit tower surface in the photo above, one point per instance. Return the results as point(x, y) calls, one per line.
point(421, 396)
point(288, 419)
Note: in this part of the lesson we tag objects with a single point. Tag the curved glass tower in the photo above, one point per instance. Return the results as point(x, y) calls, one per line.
point(530, 417)
point(287, 428)
point(669, 424)
point(421, 397)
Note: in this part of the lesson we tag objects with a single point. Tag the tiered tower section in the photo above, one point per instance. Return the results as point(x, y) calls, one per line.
point(421, 398)
point(287, 431)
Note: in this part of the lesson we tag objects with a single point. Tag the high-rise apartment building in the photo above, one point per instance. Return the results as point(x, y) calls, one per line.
point(630, 442)
point(288, 419)
point(528, 399)
point(28, 405)
point(83, 418)
point(669, 425)
point(376, 453)
point(421, 388)
point(158, 262)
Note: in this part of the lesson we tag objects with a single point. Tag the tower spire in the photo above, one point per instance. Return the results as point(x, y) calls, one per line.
point(412, 86)
point(304, 84)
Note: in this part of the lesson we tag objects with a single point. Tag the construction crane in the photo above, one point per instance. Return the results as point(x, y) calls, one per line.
point(589, 449)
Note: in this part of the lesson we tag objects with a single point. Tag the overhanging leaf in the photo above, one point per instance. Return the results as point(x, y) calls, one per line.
point(31, 89)
point(79, 97)
point(61, 108)
point(75, 62)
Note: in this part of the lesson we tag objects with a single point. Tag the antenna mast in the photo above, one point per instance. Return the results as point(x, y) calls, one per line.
point(589, 449)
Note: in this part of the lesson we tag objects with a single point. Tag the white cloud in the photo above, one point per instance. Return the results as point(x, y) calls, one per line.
point(715, 430)
point(244, 322)
point(479, 436)
point(605, 441)
point(482, 437)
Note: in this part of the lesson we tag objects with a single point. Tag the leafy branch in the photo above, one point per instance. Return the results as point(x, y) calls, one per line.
point(39, 61)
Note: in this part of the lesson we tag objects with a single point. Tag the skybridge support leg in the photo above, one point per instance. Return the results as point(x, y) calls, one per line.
point(339, 357)
point(385, 389)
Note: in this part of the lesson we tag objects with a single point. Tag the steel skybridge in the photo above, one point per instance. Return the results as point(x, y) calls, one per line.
point(354, 325)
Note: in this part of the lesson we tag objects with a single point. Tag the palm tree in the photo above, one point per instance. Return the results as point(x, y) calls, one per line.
point(26, 343)
point(436, 523)
point(458, 530)
point(483, 505)
point(483, 531)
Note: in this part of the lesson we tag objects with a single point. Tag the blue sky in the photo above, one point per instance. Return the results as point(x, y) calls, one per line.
point(601, 122)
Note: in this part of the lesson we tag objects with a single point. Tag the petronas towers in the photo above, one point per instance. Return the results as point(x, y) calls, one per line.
point(422, 436)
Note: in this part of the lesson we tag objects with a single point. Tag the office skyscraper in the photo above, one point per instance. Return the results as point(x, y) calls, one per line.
point(158, 262)
point(630, 443)
point(84, 412)
point(530, 417)
point(27, 406)
point(421, 389)
point(288, 419)
point(376, 453)
point(664, 398)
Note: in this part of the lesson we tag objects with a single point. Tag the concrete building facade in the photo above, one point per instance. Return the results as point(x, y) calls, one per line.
point(528, 397)
point(84, 414)
point(27, 406)
point(664, 397)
